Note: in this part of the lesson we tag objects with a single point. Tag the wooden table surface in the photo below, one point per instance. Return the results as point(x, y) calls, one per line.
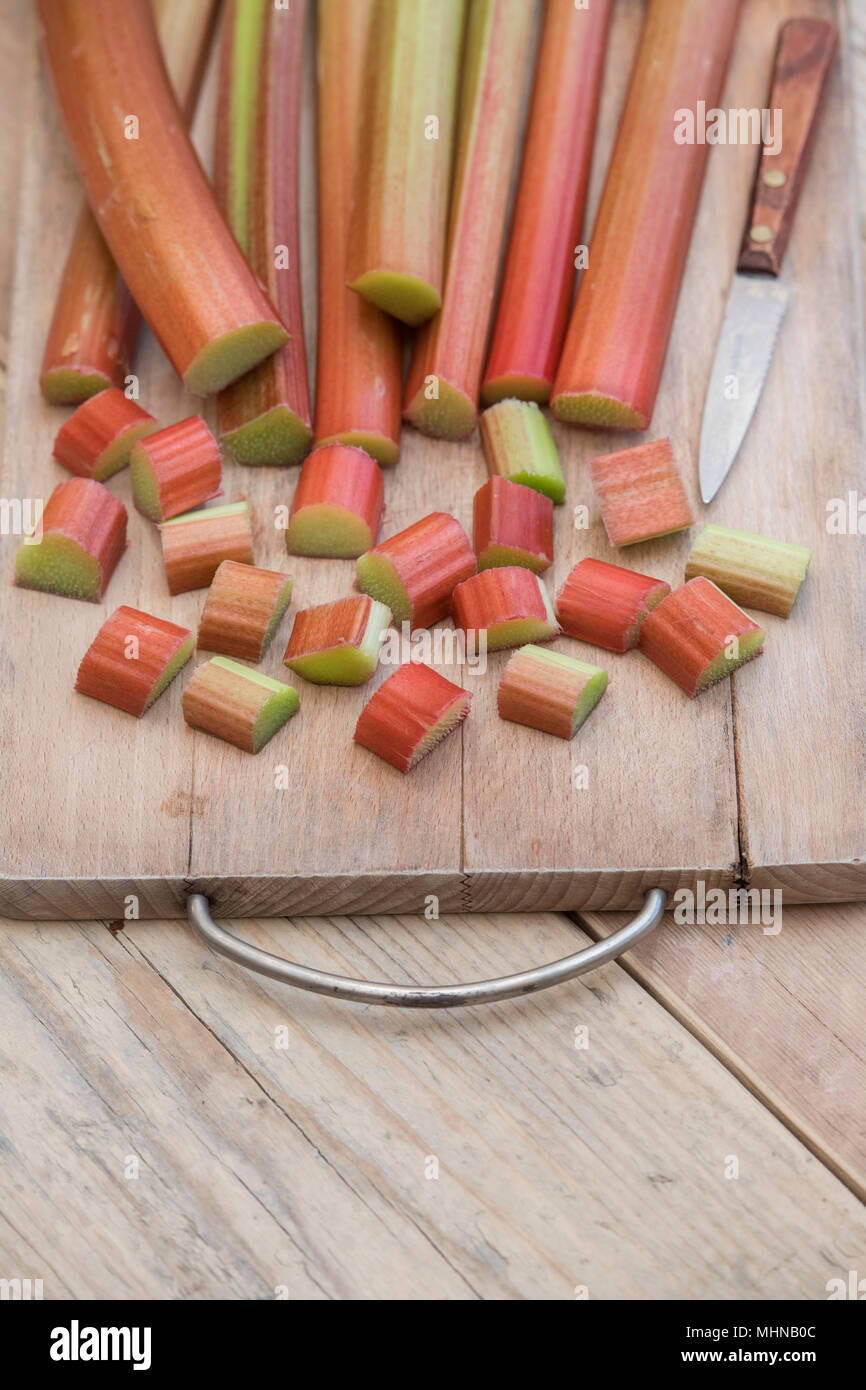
point(687, 1124)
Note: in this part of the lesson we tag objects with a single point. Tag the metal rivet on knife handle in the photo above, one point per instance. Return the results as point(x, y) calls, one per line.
point(803, 59)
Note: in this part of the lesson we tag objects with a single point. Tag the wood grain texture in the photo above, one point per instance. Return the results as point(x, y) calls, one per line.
point(284, 1141)
point(498, 818)
point(783, 1009)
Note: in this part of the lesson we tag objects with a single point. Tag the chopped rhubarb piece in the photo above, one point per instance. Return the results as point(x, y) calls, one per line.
point(338, 503)
point(83, 535)
point(194, 546)
point(176, 469)
point(752, 570)
point(415, 571)
point(97, 439)
point(132, 659)
point(409, 714)
point(359, 357)
point(338, 643)
point(697, 636)
point(513, 525)
point(441, 396)
point(518, 445)
point(548, 210)
point(549, 691)
point(606, 604)
point(264, 417)
point(397, 247)
point(503, 608)
point(150, 195)
point(237, 704)
point(640, 493)
point(242, 610)
point(616, 342)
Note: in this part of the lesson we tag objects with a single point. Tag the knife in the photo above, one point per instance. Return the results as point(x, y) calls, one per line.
point(758, 297)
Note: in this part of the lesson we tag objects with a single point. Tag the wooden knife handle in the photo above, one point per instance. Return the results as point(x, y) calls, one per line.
point(803, 58)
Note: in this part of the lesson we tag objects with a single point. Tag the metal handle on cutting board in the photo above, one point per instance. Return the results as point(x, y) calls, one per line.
point(423, 996)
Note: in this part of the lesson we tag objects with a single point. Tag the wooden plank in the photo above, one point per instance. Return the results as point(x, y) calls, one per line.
point(783, 1010)
point(305, 1165)
point(153, 808)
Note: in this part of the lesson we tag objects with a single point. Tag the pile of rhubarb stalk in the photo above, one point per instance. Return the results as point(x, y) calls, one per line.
point(418, 124)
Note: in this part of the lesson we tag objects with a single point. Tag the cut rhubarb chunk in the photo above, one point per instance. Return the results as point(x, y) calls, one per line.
point(409, 714)
point(697, 636)
point(415, 571)
point(338, 504)
point(242, 610)
point(237, 704)
point(176, 469)
point(518, 445)
point(513, 525)
point(97, 439)
point(132, 659)
point(752, 570)
point(606, 604)
point(194, 546)
point(503, 608)
point(549, 691)
point(338, 643)
point(83, 535)
point(640, 493)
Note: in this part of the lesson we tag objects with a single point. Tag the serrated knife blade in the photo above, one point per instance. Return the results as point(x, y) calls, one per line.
point(757, 299)
point(754, 312)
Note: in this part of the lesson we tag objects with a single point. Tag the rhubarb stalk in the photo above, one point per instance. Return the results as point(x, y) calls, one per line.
point(415, 571)
point(338, 643)
point(132, 659)
point(195, 545)
point(548, 691)
point(94, 328)
point(242, 610)
point(359, 361)
point(697, 636)
point(445, 371)
point(409, 714)
point(338, 503)
point(539, 268)
point(752, 570)
point(397, 241)
point(83, 535)
point(512, 525)
point(176, 469)
point(503, 608)
point(640, 493)
point(616, 342)
point(237, 704)
point(518, 445)
point(97, 439)
point(264, 418)
point(149, 193)
point(606, 604)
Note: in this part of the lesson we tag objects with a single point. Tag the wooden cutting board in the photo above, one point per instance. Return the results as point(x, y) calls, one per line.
point(760, 781)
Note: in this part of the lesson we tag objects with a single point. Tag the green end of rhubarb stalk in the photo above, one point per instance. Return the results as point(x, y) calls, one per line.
point(346, 664)
point(179, 660)
point(518, 632)
point(277, 711)
point(495, 556)
point(405, 297)
point(226, 509)
point(282, 604)
point(277, 438)
point(145, 488)
point(755, 571)
point(592, 408)
point(119, 452)
point(451, 718)
point(226, 358)
point(517, 388)
point(68, 386)
point(378, 446)
point(58, 565)
point(450, 415)
point(595, 677)
point(378, 578)
point(749, 645)
point(328, 531)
